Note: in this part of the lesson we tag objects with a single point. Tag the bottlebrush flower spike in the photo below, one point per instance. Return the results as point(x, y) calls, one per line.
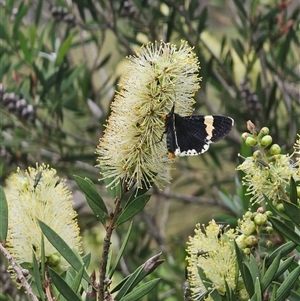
point(132, 149)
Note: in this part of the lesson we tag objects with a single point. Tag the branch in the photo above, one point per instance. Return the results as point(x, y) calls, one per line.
point(106, 246)
point(19, 272)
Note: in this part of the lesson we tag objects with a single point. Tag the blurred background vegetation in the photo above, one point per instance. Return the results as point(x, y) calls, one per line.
point(60, 62)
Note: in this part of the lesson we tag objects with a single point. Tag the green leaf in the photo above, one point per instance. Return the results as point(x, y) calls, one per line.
point(3, 216)
point(38, 12)
point(22, 11)
point(133, 209)
point(121, 251)
point(63, 287)
point(141, 291)
point(287, 285)
point(90, 190)
point(202, 20)
point(253, 268)
point(63, 49)
point(245, 272)
point(100, 215)
point(283, 249)
point(68, 81)
point(77, 280)
point(292, 211)
point(284, 267)
point(37, 277)
point(24, 47)
point(284, 230)
point(268, 277)
point(239, 49)
point(129, 283)
point(240, 6)
point(63, 248)
point(258, 290)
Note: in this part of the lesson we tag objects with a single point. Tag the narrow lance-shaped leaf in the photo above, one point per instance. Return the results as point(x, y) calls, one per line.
point(285, 230)
point(271, 271)
point(63, 287)
point(141, 291)
point(292, 211)
point(133, 209)
point(37, 277)
point(288, 283)
point(63, 248)
point(90, 190)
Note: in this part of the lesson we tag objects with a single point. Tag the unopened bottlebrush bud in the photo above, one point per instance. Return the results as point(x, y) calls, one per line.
point(250, 141)
point(242, 294)
point(240, 241)
point(298, 191)
point(256, 154)
point(269, 244)
point(275, 149)
point(269, 213)
point(245, 135)
point(260, 219)
point(251, 240)
point(269, 229)
point(266, 141)
point(54, 260)
point(264, 131)
point(280, 207)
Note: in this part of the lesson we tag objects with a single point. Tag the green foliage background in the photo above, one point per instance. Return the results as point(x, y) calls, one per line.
point(64, 59)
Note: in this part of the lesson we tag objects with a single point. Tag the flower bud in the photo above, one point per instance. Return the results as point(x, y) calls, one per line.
point(256, 154)
point(275, 149)
point(269, 244)
point(264, 131)
point(280, 207)
point(248, 214)
point(260, 210)
point(245, 135)
point(243, 295)
point(260, 219)
point(269, 229)
point(250, 141)
point(251, 240)
point(54, 260)
point(298, 191)
point(269, 213)
point(266, 140)
point(240, 241)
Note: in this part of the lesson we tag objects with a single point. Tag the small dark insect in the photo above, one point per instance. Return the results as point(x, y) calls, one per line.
point(37, 179)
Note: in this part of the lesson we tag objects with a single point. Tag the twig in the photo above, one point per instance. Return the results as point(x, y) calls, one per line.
point(18, 270)
point(106, 245)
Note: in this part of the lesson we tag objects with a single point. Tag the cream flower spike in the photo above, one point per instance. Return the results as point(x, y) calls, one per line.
point(38, 194)
point(132, 149)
